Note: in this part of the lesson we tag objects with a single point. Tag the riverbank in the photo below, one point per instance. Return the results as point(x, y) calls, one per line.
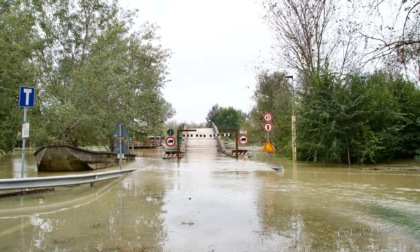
point(396, 165)
point(390, 169)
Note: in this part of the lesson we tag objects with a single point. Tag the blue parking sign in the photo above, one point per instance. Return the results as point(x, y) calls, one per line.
point(26, 96)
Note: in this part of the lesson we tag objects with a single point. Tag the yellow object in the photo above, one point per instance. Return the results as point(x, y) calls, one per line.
point(268, 147)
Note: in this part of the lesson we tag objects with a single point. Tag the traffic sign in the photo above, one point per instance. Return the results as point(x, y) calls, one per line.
point(268, 127)
point(170, 132)
point(243, 139)
point(268, 117)
point(26, 99)
point(120, 148)
point(26, 96)
point(170, 141)
point(120, 131)
point(268, 147)
point(25, 129)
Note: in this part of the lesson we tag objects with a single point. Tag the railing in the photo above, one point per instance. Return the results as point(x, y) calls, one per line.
point(219, 141)
point(38, 182)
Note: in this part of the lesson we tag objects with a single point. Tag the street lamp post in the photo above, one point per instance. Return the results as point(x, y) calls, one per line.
point(293, 119)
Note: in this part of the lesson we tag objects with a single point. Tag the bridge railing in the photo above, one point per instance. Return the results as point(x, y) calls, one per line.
point(219, 140)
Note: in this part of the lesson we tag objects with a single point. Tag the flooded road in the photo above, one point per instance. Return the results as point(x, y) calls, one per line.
point(211, 202)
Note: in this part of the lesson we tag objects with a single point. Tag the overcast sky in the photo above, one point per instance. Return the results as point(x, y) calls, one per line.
point(215, 44)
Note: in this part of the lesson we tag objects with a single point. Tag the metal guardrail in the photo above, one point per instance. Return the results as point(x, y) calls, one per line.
point(38, 182)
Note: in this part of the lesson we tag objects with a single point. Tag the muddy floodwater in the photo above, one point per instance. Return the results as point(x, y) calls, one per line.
point(211, 202)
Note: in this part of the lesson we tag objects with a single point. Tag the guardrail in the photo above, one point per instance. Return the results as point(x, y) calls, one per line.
point(39, 182)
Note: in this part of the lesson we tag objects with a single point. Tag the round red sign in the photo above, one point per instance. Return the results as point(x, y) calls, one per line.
point(243, 139)
point(268, 117)
point(170, 141)
point(268, 127)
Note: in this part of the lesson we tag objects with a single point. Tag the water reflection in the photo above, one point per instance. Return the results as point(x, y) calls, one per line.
point(334, 209)
point(210, 202)
point(118, 215)
point(11, 165)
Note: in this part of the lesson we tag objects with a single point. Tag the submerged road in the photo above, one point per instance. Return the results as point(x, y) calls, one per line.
point(211, 202)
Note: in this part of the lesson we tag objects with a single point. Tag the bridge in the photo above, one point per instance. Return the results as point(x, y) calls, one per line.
point(204, 139)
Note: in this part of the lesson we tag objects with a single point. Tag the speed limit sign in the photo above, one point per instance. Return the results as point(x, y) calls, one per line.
point(268, 127)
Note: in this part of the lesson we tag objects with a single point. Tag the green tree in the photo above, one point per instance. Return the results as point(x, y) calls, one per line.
point(345, 117)
point(359, 119)
point(393, 115)
point(332, 118)
point(17, 38)
point(409, 100)
point(225, 117)
point(273, 94)
point(212, 115)
point(96, 72)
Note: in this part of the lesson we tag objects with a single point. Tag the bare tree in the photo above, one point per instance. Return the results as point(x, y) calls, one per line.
point(312, 35)
point(394, 35)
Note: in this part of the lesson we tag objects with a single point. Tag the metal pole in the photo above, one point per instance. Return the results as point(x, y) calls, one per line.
point(269, 154)
point(293, 122)
point(293, 119)
point(236, 137)
point(294, 136)
point(120, 125)
point(23, 144)
point(177, 144)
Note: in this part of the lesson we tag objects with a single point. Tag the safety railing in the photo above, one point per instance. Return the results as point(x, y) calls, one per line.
point(219, 141)
point(52, 181)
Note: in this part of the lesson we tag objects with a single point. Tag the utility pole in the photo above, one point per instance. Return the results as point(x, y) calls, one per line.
point(293, 119)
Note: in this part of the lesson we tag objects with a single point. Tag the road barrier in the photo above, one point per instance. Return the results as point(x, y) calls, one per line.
point(39, 182)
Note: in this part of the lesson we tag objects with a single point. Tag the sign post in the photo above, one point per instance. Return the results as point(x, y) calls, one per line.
point(26, 99)
point(120, 154)
point(120, 132)
point(268, 127)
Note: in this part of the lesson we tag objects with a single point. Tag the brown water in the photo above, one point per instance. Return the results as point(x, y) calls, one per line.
point(210, 202)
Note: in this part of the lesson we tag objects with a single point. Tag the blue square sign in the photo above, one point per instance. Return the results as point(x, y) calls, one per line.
point(26, 96)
